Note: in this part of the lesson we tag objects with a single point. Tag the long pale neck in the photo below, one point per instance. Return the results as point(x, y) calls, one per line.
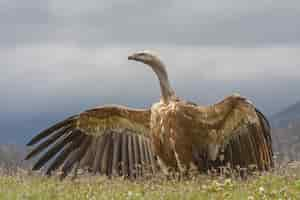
point(167, 93)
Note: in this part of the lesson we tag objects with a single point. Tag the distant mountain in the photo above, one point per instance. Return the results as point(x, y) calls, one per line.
point(286, 132)
point(12, 155)
point(286, 116)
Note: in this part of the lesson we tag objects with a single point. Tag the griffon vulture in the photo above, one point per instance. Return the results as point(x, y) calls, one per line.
point(116, 140)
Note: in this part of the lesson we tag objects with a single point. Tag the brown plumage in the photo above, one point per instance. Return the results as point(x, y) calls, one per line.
point(120, 141)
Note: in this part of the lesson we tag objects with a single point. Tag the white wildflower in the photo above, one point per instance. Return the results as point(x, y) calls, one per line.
point(250, 198)
point(129, 193)
point(261, 189)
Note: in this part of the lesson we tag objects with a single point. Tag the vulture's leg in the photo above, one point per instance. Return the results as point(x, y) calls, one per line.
point(178, 164)
point(201, 160)
point(162, 166)
point(197, 159)
point(75, 171)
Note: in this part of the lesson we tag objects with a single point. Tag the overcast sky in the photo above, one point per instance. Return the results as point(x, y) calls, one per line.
point(63, 56)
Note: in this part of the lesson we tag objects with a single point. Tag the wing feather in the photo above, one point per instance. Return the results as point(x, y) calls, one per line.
point(50, 131)
point(141, 152)
point(76, 156)
point(54, 137)
point(56, 148)
point(236, 125)
point(104, 160)
point(147, 157)
point(253, 144)
point(124, 160)
point(151, 157)
point(100, 144)
point(130, 157)
point(116, 154)
point(137, 157)
point(110, 140)
point(63, 155)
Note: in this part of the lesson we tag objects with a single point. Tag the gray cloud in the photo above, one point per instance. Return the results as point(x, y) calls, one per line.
point(98, 23)
point(46, 76)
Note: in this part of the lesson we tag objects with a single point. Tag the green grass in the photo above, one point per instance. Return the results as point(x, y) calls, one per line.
point(273, 185)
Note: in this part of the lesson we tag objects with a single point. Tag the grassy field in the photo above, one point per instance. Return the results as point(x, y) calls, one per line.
point(280, 184)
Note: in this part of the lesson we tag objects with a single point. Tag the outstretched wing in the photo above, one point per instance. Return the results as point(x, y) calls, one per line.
point(111, 140)
point(233, 131)
point(249, 142)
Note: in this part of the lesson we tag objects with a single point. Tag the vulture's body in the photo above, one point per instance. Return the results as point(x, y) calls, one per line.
point(231, 131)
point(117, 140)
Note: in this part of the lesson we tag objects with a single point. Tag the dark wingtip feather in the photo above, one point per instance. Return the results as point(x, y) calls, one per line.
point(49, 131)
point(76, 156)
point(64, 154)
point(55, 149)
point(48, 142)
point(263, 117)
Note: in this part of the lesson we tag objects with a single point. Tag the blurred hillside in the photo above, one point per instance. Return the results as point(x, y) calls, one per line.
point(286, 133)
point(286, 117)
point(11, 156)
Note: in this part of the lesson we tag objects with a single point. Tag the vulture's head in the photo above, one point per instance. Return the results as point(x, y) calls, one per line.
point(145, 56)
point(158, 67)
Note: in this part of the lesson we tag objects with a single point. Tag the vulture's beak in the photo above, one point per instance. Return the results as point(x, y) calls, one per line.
point(134, 56)
point(131, 57)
